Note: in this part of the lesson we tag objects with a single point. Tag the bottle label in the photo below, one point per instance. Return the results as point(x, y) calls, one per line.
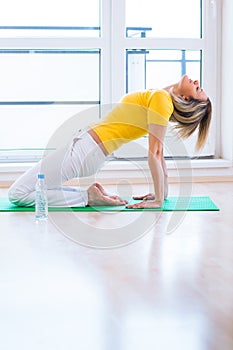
point(41, 205)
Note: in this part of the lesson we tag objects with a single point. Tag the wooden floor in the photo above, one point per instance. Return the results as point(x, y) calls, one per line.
point(168, 285)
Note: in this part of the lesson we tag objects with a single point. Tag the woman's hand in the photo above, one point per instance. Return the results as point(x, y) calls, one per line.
point(151, 196)
point(147, 204)
point(147, 197)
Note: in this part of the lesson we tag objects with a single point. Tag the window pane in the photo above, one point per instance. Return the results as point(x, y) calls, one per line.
point(166, 18)
point(39, 90)
point(154, 69)
point(35, 124)
point(49, 75)
point(157, 75)
point(50, 18)
point(159, 68)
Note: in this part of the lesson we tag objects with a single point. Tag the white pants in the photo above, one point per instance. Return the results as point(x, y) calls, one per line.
point(80, 158)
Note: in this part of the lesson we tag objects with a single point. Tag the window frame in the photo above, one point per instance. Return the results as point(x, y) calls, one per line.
point(113, 45)
point(209, 44)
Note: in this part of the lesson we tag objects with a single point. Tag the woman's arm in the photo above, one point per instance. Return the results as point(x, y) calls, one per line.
point(164, 166)
point(156, 165)
point(156, 160)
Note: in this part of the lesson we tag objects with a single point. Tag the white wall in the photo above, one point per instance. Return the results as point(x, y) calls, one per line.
point(227, 82)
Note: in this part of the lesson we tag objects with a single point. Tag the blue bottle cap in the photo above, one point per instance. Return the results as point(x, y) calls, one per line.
point(40, 176)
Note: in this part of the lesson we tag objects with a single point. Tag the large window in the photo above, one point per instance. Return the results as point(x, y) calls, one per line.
point(164, 40)
point(45, 79)
point(58, 59)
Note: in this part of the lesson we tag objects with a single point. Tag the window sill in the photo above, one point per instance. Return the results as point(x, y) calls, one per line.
point(171, 164)
point(196, 170)
point(137, 171)
point(119, 164)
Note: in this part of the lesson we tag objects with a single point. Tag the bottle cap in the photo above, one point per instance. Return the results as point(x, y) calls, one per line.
point(40, 176)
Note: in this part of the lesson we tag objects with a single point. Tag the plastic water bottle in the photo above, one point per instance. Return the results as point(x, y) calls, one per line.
point(41, 202)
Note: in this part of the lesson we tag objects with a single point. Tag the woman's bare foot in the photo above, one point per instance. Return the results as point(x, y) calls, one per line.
point(98, 196)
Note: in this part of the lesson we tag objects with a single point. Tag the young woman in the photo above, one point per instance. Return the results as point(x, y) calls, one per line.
point(147, 112)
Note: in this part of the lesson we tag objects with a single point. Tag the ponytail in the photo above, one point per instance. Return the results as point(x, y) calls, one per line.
point(192, 114)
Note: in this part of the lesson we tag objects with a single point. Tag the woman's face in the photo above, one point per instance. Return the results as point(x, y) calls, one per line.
point(187, 88)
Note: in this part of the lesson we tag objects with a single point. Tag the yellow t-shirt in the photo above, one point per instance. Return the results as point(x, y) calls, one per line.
point(130, 118)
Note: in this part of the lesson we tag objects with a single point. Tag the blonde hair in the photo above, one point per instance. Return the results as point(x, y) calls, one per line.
point(188, 115)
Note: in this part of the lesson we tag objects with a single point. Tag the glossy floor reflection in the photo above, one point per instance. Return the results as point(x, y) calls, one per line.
point(164, 291)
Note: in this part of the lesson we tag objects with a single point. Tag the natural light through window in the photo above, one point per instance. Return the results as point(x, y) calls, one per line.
point(47, 17)
point(59, 58)
point(167, 18)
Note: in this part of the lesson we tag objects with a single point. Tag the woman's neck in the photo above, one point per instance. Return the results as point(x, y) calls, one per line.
point(167, 88)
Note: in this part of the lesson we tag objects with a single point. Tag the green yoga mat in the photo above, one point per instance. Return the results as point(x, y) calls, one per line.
point(195, 203)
